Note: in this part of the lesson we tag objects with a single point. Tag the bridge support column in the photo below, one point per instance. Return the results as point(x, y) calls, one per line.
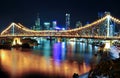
point(16, 41)
point(59, 39)
point(108, 43)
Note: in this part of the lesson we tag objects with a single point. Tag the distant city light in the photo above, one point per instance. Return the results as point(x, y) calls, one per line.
point(46, 23)
point(57, 28)
point(63, 28)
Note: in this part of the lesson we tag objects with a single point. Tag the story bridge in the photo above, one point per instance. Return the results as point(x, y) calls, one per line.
point(106, 28)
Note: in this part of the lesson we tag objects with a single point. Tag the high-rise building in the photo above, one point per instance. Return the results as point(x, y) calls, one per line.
point(67, 21)
point(54, 23)
point(46, 25)
point(37, 23)
point(78, 24)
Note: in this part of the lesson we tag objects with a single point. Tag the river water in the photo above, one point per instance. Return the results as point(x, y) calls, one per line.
point(50, 58)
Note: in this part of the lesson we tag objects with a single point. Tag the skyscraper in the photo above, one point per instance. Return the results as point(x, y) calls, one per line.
point(46, 25)
point(37, 23)
point(54, 23)
point(67, 21)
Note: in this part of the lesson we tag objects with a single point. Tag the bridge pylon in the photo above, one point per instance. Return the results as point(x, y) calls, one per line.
point(108, 25)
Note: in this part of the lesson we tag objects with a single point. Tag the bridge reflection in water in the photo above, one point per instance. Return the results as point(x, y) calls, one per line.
point(58, 62)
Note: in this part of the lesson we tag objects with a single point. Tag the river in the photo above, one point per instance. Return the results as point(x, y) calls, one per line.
point(50, 58)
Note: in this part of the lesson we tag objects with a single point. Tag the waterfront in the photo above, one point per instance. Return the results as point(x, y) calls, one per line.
point(50, 58)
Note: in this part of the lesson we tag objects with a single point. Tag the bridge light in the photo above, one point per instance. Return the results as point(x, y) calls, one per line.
point(13, 23)
point(108, 17)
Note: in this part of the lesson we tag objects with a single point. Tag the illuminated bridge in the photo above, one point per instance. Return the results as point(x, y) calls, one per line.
point(103, 28)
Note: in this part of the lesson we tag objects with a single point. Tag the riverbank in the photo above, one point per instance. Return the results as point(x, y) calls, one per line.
point(107, 67)
point(5, 46)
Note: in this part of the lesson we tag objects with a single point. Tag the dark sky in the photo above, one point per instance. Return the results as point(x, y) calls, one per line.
point(25, 11)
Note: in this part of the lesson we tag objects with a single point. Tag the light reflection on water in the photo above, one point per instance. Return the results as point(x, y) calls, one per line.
point(62, 58)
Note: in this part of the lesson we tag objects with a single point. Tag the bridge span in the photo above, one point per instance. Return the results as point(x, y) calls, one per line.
point(103, 28)
point(100, 29)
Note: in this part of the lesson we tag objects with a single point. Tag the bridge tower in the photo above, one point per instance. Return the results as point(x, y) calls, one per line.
point(110, 25)
point(107, 27)
point(13, 28)
point(109, 30)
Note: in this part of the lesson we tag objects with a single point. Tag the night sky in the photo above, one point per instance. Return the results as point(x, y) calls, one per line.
point(25, 11)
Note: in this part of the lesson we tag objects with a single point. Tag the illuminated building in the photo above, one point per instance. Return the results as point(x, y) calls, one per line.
point(46, 25)
point(37, 24)
point(54, 23)
point(67, 21)
point(78, 24)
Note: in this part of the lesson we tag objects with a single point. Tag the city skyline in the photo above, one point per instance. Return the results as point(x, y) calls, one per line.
point(25, 12)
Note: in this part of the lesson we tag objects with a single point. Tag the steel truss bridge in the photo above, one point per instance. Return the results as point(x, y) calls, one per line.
point(103, 28)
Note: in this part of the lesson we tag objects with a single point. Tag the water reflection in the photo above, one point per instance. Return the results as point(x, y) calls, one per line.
point(62, 58)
